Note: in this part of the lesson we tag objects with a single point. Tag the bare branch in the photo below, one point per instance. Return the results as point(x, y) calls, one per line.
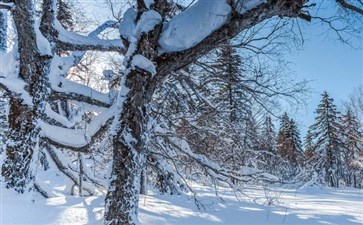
point(351, 7)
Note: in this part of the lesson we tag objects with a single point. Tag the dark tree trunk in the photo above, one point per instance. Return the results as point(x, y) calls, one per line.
point(123, 196)
point(23, 136)
point(20, 147)
point(143, 181)
point(3, 30)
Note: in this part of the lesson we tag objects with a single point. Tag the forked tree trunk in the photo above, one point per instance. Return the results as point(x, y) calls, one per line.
point(129, 141)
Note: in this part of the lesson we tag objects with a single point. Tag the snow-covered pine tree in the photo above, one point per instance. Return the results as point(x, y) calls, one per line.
point(288, 141)
point(297, 144)
point(229, 70)
point(308, 146)
point(326, 158)
point(268, 136)
point(352, 133)
point(268, 159)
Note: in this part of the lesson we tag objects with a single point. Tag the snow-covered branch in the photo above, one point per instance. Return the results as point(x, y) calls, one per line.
point(71, 41)
point(215, 170)
point(77, 139)
point(176, 54)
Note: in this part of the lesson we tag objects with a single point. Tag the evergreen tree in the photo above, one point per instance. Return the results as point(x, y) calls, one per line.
point(249, 132)
point(327, 151)
point(309, 146)
point(353, 149)
point(268, 135)
point(288, 141)
point(229, 90)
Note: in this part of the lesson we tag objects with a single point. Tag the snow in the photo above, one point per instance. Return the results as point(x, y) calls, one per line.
point(143, 63)
point(245, 5)
point(147, 22)
point(74, 38)
point(42, 43)
point(76, 137)
point(9, 76)
point(310, 206)
point(148, 3)
point(57, 117)
point(204, 16)
point(127, 25)
point(58, 82)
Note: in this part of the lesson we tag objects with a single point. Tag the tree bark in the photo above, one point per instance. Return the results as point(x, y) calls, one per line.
point(3, 30)
point(23, 138)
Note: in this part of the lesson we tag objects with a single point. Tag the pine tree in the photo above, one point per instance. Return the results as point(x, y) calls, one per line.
point(268, 135)
point(229, 91)
point(309, 146)
point(351, 130)
point(326, 158)
point(288, 141)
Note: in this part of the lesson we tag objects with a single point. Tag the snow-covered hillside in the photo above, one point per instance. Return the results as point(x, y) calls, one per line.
point(308, 206)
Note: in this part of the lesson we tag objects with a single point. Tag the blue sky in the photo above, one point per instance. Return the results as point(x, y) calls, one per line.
point(330, 65)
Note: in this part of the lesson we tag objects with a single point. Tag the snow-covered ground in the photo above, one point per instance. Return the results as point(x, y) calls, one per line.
point(308, 206)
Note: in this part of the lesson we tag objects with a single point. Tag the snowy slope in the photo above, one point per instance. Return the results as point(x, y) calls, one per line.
point(291, 207)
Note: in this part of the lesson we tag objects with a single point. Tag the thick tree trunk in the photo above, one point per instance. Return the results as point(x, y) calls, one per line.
point(130, 136)
point(129, 157)
point(23, 136)
point(21, 146)
point(123, 196)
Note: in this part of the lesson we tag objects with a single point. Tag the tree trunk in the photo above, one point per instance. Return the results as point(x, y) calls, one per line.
point(21, 146)
point(3, 30)
point(80, 164)
point(123, 196)
point(23, 136)
point(143, 181)
point(129, 157)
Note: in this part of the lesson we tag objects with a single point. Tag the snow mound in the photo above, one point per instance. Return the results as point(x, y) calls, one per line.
point(194, 24)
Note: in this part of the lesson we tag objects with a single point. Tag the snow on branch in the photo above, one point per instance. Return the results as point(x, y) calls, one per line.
point(193, 25)
point(6, 5)
point(215, 170)
point(71, 41)
point(65, 89)
point(9, 80)
point(77, 139)
point(176, 53)
point(88, 95)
